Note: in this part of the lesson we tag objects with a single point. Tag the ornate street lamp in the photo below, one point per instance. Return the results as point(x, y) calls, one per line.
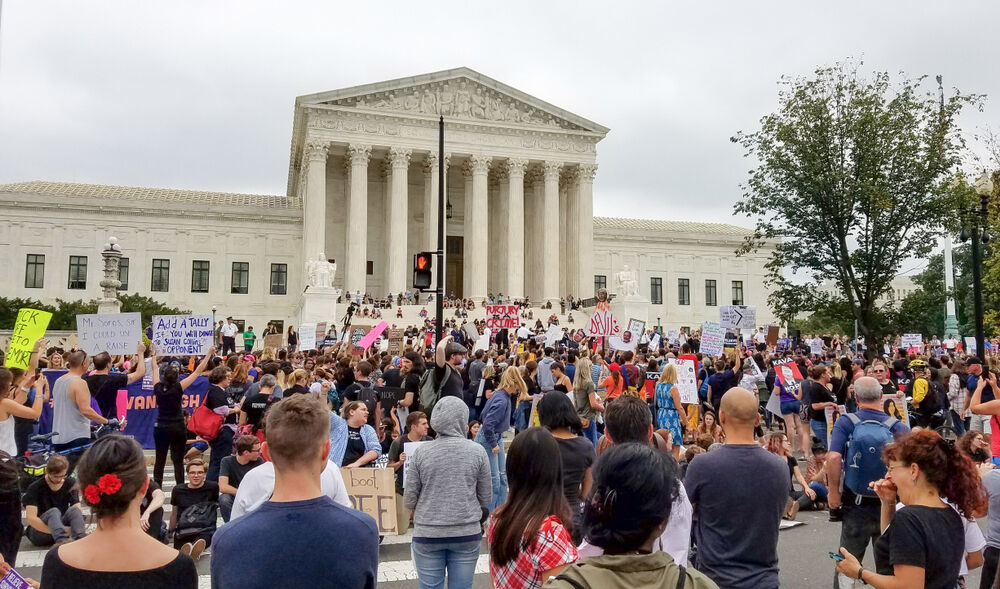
point(976, 229)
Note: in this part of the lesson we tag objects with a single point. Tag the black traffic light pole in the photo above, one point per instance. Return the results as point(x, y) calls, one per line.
point(439, 291)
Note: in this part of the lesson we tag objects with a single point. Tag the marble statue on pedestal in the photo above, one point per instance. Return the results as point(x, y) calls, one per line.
point(627, 283)
point(320, 272)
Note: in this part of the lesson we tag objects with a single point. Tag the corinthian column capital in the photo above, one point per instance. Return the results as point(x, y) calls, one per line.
point(399, 158)
point(479, 164)
point(317, 150)
point(359, 154)
point(551, 170)
point(585, 172)
point(516, 168)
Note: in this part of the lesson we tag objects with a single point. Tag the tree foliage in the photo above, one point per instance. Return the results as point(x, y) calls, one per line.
point(64, 312)
point(852, 177)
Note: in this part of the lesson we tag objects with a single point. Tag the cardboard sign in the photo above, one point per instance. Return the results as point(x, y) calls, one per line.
point(687, 380)
point(395, 342)
point(371, 336)
point(895, 406)
point(738, 316)
point(29, 327)
point(307, 337)
point(603, 323)
point(502, 316)
point(273, 341)
point(114, 333)
point(182, 335)
point(772, 335)
point(712, 336)
point(354, 334)
point(373, 491)
point(484, 340)
point(912, 340)
point(409, 448)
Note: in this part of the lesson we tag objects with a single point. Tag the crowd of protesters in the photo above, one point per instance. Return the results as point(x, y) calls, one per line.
point(615, 476)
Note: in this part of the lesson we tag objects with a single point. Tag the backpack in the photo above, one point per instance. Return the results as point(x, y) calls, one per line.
point(430, 391)
point(200, 518)
point(863, 460)
point(8, 472)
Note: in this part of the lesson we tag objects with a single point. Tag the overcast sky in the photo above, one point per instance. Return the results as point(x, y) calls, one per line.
point(200, 94)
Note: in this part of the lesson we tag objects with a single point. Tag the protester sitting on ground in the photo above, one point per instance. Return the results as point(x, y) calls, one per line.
point(417, 427)
point(151, 512)
point(710, 426)
point(628, 421)
point(51, 504)
point(192, 535)
point(449, 490)
point(362, 441)
point(975, 445)
point(528, 535)
point(817, 479)
point(169, 431)
point(234, 468)
point(323, 544)
point(778, 443)
point(635, 487)
point(557, 414)
point(926, 541)
point(739, 493)
point(119, 553)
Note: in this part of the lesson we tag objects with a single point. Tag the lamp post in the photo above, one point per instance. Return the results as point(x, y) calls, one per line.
point(443, 204)
point(215, 343)
point(978, 220)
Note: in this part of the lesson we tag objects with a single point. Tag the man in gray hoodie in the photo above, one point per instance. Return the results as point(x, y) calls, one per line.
point(448, 488)
point(546, 382)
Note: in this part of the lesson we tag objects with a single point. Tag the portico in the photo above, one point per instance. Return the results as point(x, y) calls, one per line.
point(519, 178)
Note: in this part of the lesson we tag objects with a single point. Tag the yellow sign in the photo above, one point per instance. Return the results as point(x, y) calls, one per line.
point(28, 328)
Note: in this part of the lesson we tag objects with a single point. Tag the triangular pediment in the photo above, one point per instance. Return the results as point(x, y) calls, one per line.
point(457, 94)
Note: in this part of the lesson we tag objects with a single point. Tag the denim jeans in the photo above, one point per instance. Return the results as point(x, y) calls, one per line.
point(958, 423)
point(818, 430)
point(57, 522)
point(821, 493)
point(591, 432)
point(498, 471)
point(221, 446)
point(990, 557)
point(432, 560)
point(226, 506)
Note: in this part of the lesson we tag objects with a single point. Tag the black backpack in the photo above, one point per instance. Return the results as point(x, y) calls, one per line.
point(8, 472)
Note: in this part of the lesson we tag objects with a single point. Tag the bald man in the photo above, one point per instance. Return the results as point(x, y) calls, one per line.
point(739, 493)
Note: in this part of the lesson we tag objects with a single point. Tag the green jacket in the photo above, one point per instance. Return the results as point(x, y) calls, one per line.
point(632, 571)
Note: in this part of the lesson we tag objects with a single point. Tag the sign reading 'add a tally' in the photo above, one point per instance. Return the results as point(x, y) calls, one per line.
point(114, 333)
point(182, 335)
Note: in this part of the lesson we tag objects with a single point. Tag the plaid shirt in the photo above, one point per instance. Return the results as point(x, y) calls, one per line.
point(553, 548)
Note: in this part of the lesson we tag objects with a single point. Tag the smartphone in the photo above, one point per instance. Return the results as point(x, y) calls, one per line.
point(836, 557)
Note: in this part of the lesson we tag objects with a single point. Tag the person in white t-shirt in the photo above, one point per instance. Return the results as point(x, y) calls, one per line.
point(229, 331)
point(258, 486)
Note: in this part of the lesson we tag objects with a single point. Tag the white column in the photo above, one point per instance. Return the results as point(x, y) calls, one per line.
point(430, 202)
point(584, 221)
point(550, 236)
point(314, 203)
point(476, 231)
point(565, 258)
point(396, 232)
point(572, 216)
point(516, 266)
point(357, 219)
point(535, 226)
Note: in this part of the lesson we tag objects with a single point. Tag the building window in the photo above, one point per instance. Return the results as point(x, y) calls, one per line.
point(161, 276)
point(683, 291)
point(241, 278)
point(656, 290)
point(123, 273)
point(34, 271)
point(279, 279)
point(737, 292)
point(711, 293)
point(199, 275)
point(600, 281)
point(78, 272)
point(370, 268)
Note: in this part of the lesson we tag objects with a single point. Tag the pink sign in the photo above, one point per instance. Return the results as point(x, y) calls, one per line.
point(121, 404)
point(372, 335)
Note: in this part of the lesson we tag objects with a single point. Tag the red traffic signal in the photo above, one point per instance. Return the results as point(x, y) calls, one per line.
point(422, 264)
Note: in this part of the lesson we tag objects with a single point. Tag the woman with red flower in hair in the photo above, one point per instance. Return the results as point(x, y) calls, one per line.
point(937, 486)
point(119, 553)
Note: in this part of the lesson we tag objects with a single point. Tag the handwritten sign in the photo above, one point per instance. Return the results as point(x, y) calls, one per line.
point(687, 380)
point(816, 346)
point(373, 491)
point(712, 336)
point(738, 316)
point(182, 335)
point(395, 342)
point(272, 341)
point(970, 344)
point(603, 323)
point(553, 335)
point(307, 337)
point(654, 342)
point(409, 448)
point(912, 340)
point(772, 335)
point(320, 331)
point(484, 340)
point(29, 326)
point(114, 333)
point(502, 316)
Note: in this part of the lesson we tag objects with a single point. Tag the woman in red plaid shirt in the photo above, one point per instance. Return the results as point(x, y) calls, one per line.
point(527, 537)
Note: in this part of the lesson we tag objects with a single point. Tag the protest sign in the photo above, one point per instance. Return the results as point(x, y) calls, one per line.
point(738, 316)
point(12, 580)
point(895, 406)
point(471, 332)
point(970, 345)
point(373, 491)
point(772, 335)
point(484, 339)
point(395, 342)
point(603, 323)
point(730, 342)
point(307, 337)
point(273, 341)
point(114, 333)
point(29, 326)
point(654, 342)
point(354, 334)
point(370, 337)
point(816, 346)
point(674, 337)
point(687, 380)
point(788, 375)
point(757, 372)
point(712, 335)
point(182, 335)
point(320, 331)
point(628, 339)
point(553, 335)
point(912, 340)
point(501, 317)
point(409, 448)
point(832, 414)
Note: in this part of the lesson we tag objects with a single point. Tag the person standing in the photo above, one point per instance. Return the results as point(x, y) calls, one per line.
point(222, 403)
point(293, 339)
point(448, 488)
point(228, 333)
point(323, 544)
point(169, 431)
point(496, 421)
point(249, 338)
point(104, 385)
point(668, 408)
point(588, 403)
point(738, 493)
point(71, 410)
point(234, 468)
point(860, 439)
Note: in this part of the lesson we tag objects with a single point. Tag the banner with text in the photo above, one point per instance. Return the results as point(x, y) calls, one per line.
point(29, 326)
point(603, 323)
point(114, 333)
point(182, 335)
point(712, 336)
point(738, 316)
point(502, 317)
point(687, 380)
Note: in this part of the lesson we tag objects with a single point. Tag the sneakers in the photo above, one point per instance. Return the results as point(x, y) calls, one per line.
point(198, 548)
point(836, 515)
point(186, 548)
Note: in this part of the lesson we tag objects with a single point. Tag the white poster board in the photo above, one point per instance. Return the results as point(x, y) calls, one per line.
point(553, 335)
point(484, 340)
point(603, 323)
point(970, 345)
point(712, 337)
point(114, 333)
point(307, 337)
point(409, 448)
point(738, 316)
point(816, 346)
point(912, 340)
point(182, 335)
point(628, 339)
point(687, 380)
point(654, 342)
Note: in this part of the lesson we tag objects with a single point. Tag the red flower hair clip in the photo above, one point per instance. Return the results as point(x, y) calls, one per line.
point(108, 484)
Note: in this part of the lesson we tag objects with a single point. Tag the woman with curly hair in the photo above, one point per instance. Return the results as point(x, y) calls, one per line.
point(925, 544)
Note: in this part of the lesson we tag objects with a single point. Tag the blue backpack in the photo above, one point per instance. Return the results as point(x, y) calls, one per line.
point(863, 461)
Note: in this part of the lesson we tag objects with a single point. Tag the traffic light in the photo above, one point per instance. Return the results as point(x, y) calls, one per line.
point(422, 264)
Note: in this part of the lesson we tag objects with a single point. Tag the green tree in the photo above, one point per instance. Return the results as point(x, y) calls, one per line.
point(64, 312)
point(148, 307)
point(852, 177)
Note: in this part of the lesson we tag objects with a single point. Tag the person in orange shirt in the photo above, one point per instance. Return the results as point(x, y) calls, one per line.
point(614, 384)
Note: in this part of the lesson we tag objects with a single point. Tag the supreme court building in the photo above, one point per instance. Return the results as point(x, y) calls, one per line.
point(362, 192)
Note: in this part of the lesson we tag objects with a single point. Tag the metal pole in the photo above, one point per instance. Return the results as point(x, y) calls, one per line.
point(439, 291)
